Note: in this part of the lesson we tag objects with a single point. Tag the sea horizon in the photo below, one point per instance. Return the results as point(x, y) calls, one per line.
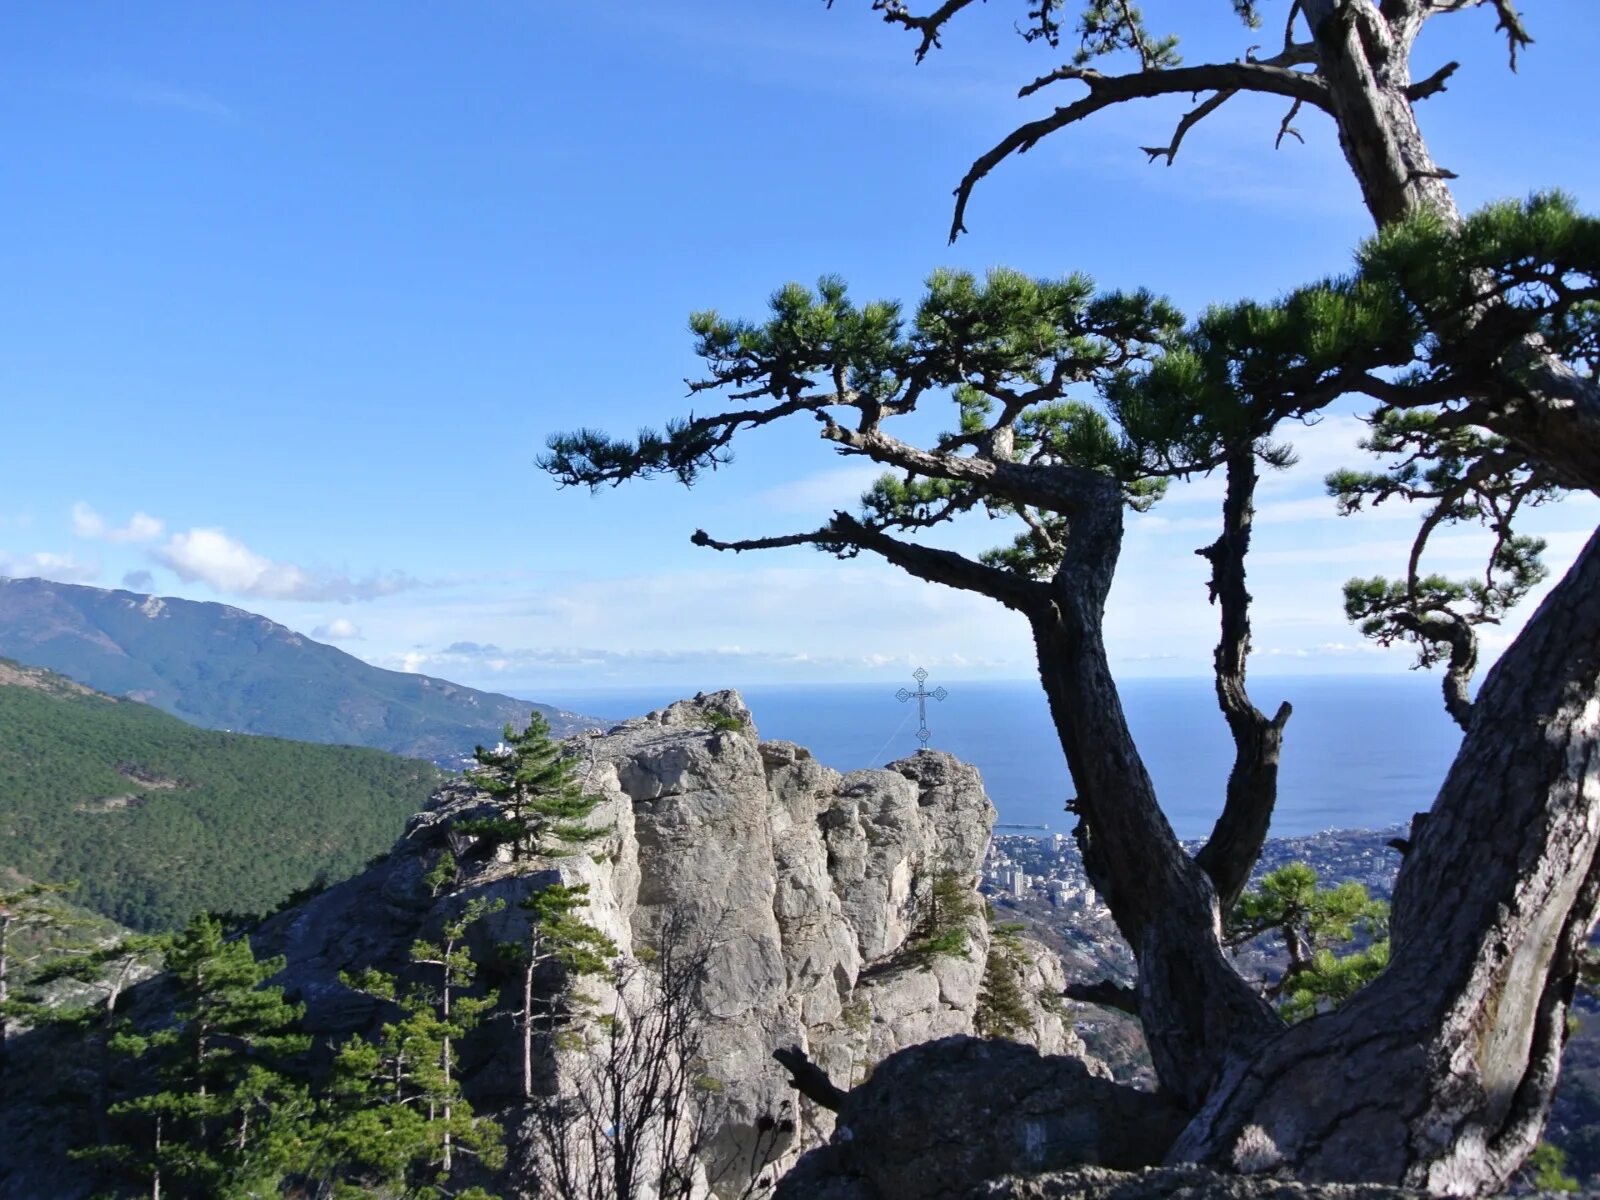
point(1360, 751)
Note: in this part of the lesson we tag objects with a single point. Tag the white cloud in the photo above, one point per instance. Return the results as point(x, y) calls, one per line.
point(1332, 649)
point(141, 527)
point(340, 629)
point(63, 568)
point(226, 565)
point(733, 622)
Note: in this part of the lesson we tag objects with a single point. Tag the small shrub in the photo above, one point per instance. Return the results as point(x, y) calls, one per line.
point(941, 926)
point(1546, 1169)
point(857, 1015)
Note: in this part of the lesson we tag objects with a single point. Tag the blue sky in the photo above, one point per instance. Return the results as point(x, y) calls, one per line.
point(296, 293)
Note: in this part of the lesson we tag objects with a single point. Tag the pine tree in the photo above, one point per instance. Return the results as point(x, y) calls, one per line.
point(942, 916)
point(1002, 1010)
point(535, 785)
point(219, 1118)
point(78, 957)
point(1313, 922)
point(1073, 407)
point(555, 936)
point(22, 910)
point(396, 1117)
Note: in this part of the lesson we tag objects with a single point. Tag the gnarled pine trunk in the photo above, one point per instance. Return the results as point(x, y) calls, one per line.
point(1161, 899)
point(1440, 1073)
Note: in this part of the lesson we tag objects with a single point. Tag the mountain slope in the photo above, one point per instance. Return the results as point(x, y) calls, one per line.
point(224, 668)
point(158, 820)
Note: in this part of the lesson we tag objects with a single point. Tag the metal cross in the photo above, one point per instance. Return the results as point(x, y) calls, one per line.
point(922, 696)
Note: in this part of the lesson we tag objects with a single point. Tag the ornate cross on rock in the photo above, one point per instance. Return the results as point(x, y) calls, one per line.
point(922, 695)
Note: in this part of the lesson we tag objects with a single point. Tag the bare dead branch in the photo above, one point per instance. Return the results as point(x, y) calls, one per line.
point(817, 537)
point(1510, 23)
point(845, 534)
point(1190, 119)
point(1288, 26)
point(1288, 130)
point(1106, 90)
point(1433, 84)
point(1509, 20)
point(896, 13)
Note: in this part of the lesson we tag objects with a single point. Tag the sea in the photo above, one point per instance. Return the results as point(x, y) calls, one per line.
point(1360, 752)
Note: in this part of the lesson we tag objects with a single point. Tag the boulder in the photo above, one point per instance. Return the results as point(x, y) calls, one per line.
point(938, 1120)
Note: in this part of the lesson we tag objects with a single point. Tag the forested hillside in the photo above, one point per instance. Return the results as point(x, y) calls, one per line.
point(158, 820)
point(225, 668)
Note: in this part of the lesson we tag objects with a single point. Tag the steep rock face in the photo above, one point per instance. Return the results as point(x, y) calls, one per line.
point(806, 886)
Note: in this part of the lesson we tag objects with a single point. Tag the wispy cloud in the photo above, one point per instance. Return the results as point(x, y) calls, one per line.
point(340, 629)
point(820, 494)
point(228, 566)
point(1325, 650)
point(141, 527)
point(146, 93)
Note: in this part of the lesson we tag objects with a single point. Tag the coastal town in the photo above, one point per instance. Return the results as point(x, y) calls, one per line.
point(1037, 880)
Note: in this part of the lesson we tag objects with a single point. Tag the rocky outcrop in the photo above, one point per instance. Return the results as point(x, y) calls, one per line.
point(937, 1120)
point(1177, 1183)
point(805, 885)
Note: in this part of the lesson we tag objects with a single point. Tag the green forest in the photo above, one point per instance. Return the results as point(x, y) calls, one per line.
point(158, 821)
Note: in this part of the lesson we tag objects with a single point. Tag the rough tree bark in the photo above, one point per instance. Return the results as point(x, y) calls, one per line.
point(1161, 899)
point(1441, 1073)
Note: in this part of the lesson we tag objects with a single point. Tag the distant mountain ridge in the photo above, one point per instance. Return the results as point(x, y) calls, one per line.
point(221, 667)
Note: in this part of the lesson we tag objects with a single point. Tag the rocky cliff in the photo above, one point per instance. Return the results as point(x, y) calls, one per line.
point(806, 888)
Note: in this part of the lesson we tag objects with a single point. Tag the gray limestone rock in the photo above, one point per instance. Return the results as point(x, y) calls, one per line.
point(805, 884)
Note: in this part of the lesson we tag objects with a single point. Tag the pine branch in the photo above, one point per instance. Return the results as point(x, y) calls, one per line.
point(1508, 20)
point(1190, 119)
point(1106, 994)
point(845, 535)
